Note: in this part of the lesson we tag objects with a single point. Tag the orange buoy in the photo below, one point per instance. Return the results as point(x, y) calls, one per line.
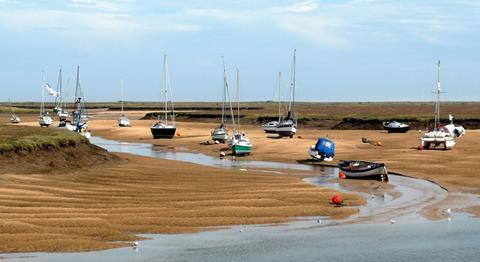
point(178, 134)
point(341, 175)
point(378, 143)
point(336, 199)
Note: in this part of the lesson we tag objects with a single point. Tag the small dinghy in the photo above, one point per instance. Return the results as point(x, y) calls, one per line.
point(323, 150)
point(363, 170)
point(395, 127)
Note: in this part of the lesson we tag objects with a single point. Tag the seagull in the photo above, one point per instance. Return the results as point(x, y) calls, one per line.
point(241, 230)
point(319, 221)
point(216, 142)
point(135, 244)
point(449, 210)
point(392, 221)
point(222, 154)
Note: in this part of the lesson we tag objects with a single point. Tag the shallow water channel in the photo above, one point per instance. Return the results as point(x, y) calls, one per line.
point(388, 228)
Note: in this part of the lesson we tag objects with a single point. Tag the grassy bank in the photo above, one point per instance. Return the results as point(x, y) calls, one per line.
point(25, 138)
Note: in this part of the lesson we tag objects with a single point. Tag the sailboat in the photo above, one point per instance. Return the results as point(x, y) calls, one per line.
point(123, 121)
point(14, 119)
point(438, 135)
point(271, 127)
point(220, 133)
point(79, 115)
point(162, 128)
point(58, 109)
point(288, 125)
point(238, 142)
point(44, 120)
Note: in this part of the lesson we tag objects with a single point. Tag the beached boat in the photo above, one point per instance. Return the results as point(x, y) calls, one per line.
point(14, 119)
point(288, 125)
point(271, 126)
point(238, 142)
point(220, 133)
point(363, 170)
point(123, 121)
point(438, 136)
point(162, 128)
point(44, 120)
point(79, 121)
point(395, 127)
point(323, 150)
point(59, 108)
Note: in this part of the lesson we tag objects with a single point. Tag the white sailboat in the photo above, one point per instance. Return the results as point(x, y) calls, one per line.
point(44, 120)
point(123, 121)
point(162, 128)
point(239, 142)
point(220, 132)
point(438, 135)
point(59, 109)
point(79, 115)
point(14, 119)
point(271, 127)
point(288, 125)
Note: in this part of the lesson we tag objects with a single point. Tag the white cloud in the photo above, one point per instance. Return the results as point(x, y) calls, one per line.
point(341, 24)
point(109, 6)
point(298, 7)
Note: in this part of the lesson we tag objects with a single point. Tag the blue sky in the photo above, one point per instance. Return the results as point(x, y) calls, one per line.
point(357, 50)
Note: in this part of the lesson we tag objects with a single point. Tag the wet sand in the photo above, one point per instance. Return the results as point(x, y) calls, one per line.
point(398, 152)
point(94, 208)
point(456, 169)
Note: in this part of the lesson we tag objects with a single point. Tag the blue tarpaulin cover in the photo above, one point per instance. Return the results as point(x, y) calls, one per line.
point(325, 147)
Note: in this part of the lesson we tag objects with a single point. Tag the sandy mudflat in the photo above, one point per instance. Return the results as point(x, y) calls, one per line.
point(93, 208)
point(89, 209)
point(456, 169)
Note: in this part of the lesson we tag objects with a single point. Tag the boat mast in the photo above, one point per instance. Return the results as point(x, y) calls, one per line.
point(227, 94)
point(437, 102)
point(58, 100)
point(165, 81)
point(224, 95)
point(121, 93)
point(42, 105)
point(11, 107)
point(279, 83)
point(292, 101)
point(238, 98)
point(78, 100)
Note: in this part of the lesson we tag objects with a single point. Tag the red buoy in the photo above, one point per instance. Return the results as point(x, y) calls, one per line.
point(336, 199)
point(341, 175)
point(420, 147)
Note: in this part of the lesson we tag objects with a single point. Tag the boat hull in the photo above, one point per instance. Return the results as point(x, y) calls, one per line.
point(270, 129)
point(377, 172)
point(286, 131)
point(220, 137)
point(319, 157)
point(124, 123)
point(437, 142)
point(159, 133)
point(241, 149)
point(397, 129)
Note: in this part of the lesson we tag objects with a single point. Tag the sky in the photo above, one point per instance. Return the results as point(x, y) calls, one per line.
point(347, 50)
